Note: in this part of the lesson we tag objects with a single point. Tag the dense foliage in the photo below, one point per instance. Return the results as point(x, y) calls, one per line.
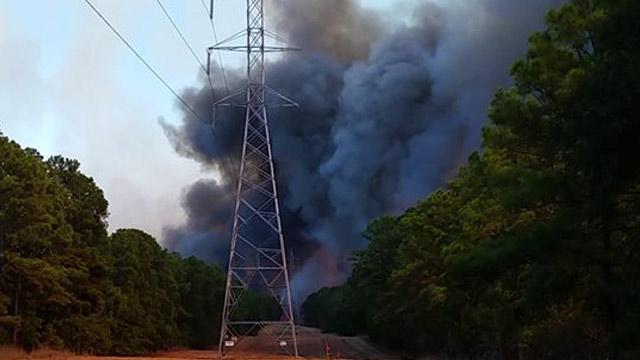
point(64, 282)
point(533, 249)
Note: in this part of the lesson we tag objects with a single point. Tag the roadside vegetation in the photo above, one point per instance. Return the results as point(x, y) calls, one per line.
point(532, 251)
point(66, 283)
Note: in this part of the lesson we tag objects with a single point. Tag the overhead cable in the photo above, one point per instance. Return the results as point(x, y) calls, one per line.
point(146, 64)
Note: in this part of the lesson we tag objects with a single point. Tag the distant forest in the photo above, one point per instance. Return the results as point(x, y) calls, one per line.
point(532, 251)
point(66, 283)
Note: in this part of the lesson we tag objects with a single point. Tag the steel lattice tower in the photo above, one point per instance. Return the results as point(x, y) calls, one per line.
point(257, 260)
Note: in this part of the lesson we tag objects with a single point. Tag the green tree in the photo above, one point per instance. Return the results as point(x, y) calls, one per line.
point(65, 283)
point(572, 111)
point(145, 303)
point(202, 300)
point(84, 324)
point(34, 276)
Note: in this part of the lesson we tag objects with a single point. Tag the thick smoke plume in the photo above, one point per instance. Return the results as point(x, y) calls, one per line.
point(388, 111)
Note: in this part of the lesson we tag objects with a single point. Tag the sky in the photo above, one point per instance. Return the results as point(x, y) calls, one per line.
point(70, 87)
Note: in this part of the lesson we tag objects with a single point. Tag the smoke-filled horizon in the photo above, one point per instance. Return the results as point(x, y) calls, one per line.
point(388, 112)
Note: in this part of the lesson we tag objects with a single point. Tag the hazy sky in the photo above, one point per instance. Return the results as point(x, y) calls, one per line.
point(68, 86)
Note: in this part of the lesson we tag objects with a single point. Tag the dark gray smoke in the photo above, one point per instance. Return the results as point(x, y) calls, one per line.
point(388, 111)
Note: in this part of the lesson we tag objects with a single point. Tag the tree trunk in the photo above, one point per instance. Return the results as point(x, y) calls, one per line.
point(16, 311)
point(510, 351)
point(3, 237)
point(606, 268)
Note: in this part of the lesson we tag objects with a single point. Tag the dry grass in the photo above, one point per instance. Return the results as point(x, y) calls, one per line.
point(10, 353)
point(13, 353)
point(311, 343)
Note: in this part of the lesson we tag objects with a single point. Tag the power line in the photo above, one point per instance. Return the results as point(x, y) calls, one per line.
point(186, 43)
point(151, 69)
point(209, 11)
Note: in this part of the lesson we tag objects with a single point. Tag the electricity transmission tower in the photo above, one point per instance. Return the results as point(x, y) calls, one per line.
point(257, 259)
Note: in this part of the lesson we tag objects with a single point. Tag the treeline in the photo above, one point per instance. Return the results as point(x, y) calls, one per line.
point(533, 250)
point(66, 283)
